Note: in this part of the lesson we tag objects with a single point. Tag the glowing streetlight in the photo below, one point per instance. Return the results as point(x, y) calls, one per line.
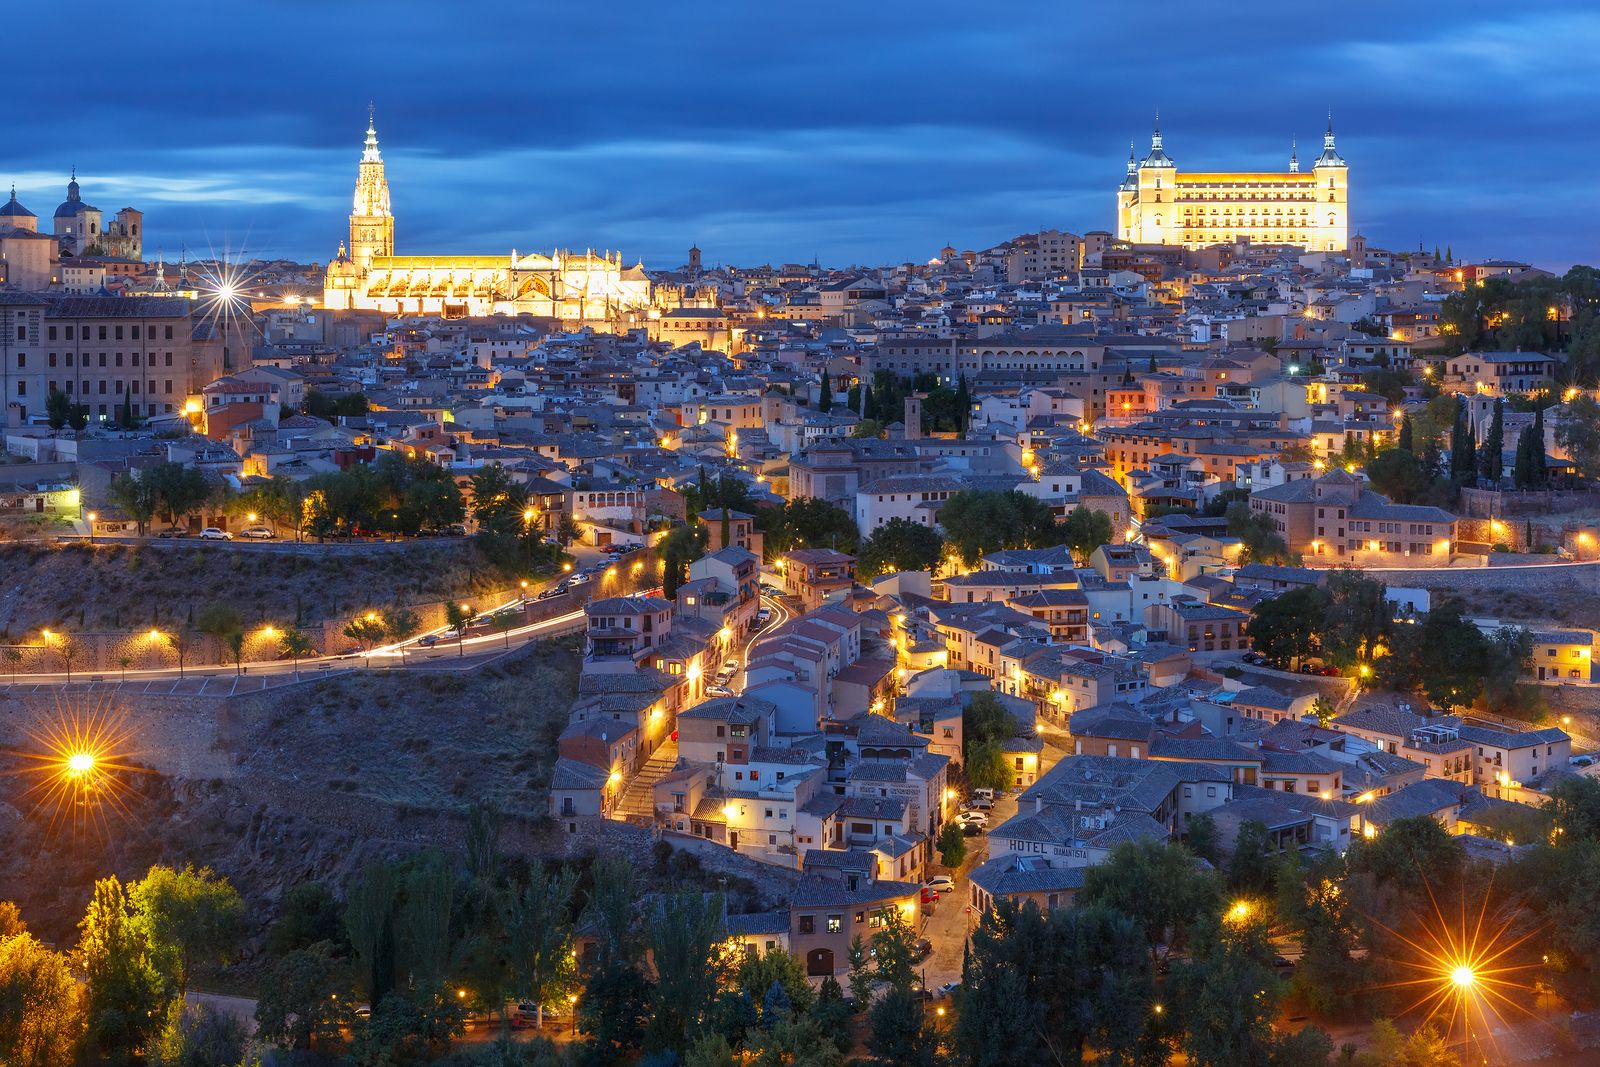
point(1239, 912)
point(80, 764)
point(1463, 977)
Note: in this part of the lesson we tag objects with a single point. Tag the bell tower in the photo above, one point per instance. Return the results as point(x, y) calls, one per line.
point(371, 221)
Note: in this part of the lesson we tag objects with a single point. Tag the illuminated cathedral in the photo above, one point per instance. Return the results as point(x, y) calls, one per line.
point(574, 287)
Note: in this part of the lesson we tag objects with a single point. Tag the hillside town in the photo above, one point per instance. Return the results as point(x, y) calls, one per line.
point(930, 588)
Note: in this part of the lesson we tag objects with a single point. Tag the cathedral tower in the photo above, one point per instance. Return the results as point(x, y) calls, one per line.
point(371, 221)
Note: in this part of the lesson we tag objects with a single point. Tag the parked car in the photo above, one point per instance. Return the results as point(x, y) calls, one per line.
point(986, 794)
point(972, 818)
point(970, 829)
point(763, 615)
point(259, 533)
point(173, 531)
point(718, 691)
point(1253, 657)
point(977, 804)
point(941, 883)
point(924, 948)
point(730, 665)
point(211, 533)
point(428, 640)
point(770, 589)
point(1582, 761)
point(546, 594)
point(455, 529)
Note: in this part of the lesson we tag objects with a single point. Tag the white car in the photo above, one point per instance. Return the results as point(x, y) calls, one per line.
point(941, 883)
point(211, 533)
point(259, 533)
point(972, 818)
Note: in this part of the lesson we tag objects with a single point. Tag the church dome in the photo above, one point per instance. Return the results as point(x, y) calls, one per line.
point(73, 204)
point(14, 210)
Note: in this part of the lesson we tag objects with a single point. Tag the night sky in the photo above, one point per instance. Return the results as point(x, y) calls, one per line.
point(857, 132)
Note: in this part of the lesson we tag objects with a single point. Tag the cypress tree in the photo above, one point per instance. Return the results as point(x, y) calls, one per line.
point(1538, 446)
point(1152, 363)
point(825, 396)
point(963, 405)
point(1491, 459)
point(1405, 433)
point(869, 403)
point(1522, 471)
point(1449, 254)
point(1458, 443)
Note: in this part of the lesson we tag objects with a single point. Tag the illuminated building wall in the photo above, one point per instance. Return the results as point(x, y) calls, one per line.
point(1159, 204)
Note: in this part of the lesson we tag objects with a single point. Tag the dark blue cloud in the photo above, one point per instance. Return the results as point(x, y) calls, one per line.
point(858, 132)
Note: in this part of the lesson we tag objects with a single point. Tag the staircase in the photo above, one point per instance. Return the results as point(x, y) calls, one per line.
point(638, 800)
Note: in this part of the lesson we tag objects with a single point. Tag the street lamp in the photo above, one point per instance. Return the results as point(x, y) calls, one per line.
point(92, 517)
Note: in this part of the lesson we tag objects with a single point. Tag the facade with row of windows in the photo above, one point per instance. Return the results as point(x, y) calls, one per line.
point(142, 355)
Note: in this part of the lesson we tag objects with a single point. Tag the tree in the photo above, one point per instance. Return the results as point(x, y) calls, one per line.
point(677, 550)
point(1397, 474)
point(825, 394)
point(868, 428)
point(1407, 436)
point(133, 497)
point(1284, 628)
point(13, 656)
point(41, 1005)
point(988, 767)
point(806, 523)
point(1356, 618)
point(978, 521)
point(686, 945)
point(295, 644)
point(1578, 431)
point(1252, 868)
point(57, 410)
point(221, 621)
point(952, 845)
point(1491, 454)
point(307, 913)
point(457, 617)
point(1443, 656)
point(963, 403)
point(178, 489)
point(401, 624)
point(899, 545)
point(539, 936)
point(1228, 997)
point(898, 1037)
point(69, 650)
point(1259, 535)
point(124, 1004)
point(1157, 885)
point(1086, 531)
point(189, 918)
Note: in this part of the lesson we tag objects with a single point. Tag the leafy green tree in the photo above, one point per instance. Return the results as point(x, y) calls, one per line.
point(678, 550)
point(41, 1004)
point(806, 523)
point(1416, 856)
point(988, 767)
point(1397, 474)
point(178, 489)
point(1284, 628)
point(1574, 809)
point(685, 938)
point(1228, 996)
point(860, 976)
point(296, 644)
point(1201, 838)
point(307, 913)
point(1252, 869)
point(57, 410)
point(539, 936)
point(977, 522)
point(457, 617)
point(221, 621)
point(1086, 531)
point(952, 845)
point(1578, 431)
point(612, 1008)
point(1443, 656)
point(189, 918)
point(897, 1035)
point(1356, 620)
point(135, 498)
point(899, 545)
point(1491, 454)
point(1157, 885)
point(125, 1003)
point(868, 428)
point(1259, 535)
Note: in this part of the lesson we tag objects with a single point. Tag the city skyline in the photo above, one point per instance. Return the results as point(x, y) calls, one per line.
point(877, 144)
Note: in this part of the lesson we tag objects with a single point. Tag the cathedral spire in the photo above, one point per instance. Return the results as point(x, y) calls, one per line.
point(370, 155)
point(1158, 156)
point(1294, 156)
point(1155, 138)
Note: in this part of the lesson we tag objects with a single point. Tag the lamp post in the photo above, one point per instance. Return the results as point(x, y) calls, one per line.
point(92, 516)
